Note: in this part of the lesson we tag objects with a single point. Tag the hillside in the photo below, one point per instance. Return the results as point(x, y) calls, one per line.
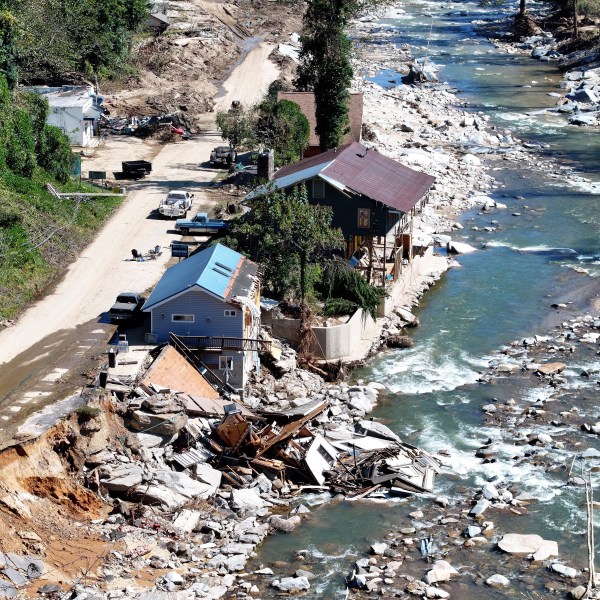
point(178, 73)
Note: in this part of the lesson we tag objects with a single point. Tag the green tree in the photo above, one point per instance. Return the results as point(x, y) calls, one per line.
point(281, 125)
point(289, 238)
point(325, 67)
point(345, 289)
point(8, 44)
point(55, 153)
point(20, 156)
point(236, 126)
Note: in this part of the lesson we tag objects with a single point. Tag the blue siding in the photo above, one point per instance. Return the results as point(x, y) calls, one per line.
point(209, 317)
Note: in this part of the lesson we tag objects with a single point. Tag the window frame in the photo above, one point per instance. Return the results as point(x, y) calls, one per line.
point(184, 320)
point(230, 313)
point(228, 361)
point(364, 216)
point(320, 182)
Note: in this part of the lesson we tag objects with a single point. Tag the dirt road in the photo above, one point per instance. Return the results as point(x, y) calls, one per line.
point(35, 345)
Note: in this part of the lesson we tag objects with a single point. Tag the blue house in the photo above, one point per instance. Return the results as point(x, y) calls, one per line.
point(210, 302)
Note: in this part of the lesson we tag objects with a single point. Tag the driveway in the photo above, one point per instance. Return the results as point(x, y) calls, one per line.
point(70, 321)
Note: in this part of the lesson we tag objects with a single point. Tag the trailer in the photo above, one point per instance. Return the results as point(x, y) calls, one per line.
point(135, 169)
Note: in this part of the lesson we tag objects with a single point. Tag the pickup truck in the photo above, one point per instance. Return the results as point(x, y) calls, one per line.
point(200, 224)
point(127, 307)
point(223, 155)
point(176, 204)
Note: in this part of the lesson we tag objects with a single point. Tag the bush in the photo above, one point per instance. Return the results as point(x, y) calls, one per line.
point(56, 155)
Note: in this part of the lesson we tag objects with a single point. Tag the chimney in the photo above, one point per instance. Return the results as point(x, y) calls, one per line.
point(265, 166)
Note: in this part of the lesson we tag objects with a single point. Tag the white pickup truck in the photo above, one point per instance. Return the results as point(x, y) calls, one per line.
point(176, 204)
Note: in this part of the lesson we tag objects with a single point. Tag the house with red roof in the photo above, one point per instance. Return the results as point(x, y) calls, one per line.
point(373, 199)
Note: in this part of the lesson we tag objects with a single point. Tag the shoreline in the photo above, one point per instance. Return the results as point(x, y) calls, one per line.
point(185, 558)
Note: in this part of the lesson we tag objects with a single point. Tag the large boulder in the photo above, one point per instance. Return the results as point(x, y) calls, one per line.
point(123, 478)
point(163, 424)
point(247, 499)
point(521, 544)
point(292, 585)
point(442, 571)
point(460, 248)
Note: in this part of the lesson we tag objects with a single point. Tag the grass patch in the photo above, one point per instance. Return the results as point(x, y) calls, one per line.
point(40, 235)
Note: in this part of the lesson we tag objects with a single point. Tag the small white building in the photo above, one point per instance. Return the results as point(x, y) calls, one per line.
point(73, 109)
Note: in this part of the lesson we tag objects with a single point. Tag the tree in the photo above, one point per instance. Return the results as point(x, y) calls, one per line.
point(20, 157)
point(236, 126)
point(8, 41)
point(281, 125)
point(325, 67)
point(289, 238)
point(345, 289)
point(55, 153)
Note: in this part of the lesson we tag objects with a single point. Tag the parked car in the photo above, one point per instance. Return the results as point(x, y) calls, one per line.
point(176, 204)
point(127, 307)
point(223, 155)
point(200, 224)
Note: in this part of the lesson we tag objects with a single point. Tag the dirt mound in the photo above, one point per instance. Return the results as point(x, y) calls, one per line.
point(179, 72)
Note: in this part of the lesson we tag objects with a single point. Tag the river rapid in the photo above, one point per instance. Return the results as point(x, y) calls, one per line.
point(501, 293)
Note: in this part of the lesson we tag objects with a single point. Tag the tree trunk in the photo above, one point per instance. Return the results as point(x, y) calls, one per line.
point(575, 23)
point(522, 7)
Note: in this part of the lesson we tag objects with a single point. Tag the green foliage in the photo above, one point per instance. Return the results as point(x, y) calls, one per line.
point(20, 155)
point(325, 66)
point(337, 307)
point(344, 286)
point(289, 238)
point(283, 127)
point(55, 153)
point(8, 43)
point(236, 126)
point(92, 37)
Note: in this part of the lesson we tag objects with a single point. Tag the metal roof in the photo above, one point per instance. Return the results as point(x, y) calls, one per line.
point(218, 270)
point(364, 171)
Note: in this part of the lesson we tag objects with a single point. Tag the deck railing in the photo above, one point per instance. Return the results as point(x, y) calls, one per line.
point(217, 343)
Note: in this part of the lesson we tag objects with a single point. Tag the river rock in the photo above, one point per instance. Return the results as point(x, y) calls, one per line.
point(521, 544)
point(379, 548)
point(481, 506)
point(460, 248)
point(578, 592)
point(285, 525)
point(247, 499)
point(436, 592)
point(292, 585)
point(442, 571)
point(497, 581)
point(551, 368)
point(564, 570)
point(490, 492)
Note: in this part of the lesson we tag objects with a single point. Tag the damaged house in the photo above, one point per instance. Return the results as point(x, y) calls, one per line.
point(373, 199)
point(209, 304)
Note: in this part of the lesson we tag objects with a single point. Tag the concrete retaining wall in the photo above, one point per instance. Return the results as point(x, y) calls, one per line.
point(331, 343)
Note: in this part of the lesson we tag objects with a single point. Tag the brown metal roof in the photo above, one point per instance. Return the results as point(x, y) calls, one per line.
point(306, 102)
point(368, 173)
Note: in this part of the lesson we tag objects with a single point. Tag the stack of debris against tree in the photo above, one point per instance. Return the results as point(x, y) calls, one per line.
point(213, 441)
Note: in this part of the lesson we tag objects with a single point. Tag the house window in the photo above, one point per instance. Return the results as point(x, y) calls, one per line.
point(182, 318)
point(226, 363)
point(230, 313)
point(318, 186)
point(364, 218)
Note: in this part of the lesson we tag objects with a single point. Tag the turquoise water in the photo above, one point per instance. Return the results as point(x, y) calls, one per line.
point(500, 294)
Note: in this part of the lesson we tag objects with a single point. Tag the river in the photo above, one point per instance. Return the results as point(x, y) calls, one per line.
point(500, 294)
